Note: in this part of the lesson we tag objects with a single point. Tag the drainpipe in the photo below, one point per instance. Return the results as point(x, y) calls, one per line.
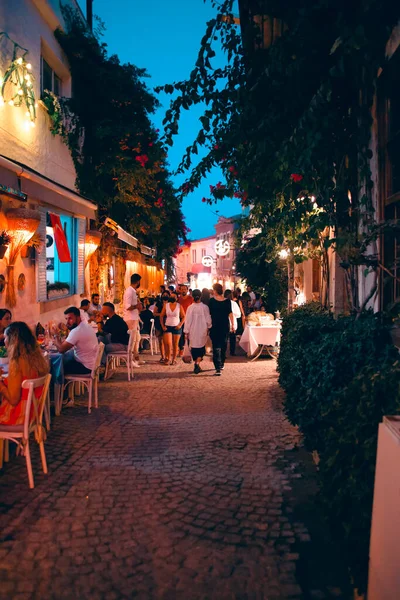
point(89, 14)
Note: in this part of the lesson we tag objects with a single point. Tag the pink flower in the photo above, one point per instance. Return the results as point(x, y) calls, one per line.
point(150, 144)
point(216, 147)
point(204, 199)
point(232, 169)
point(212, 188)
point(296, 177)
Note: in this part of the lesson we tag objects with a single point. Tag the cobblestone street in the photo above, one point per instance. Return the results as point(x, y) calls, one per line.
point(178, 487)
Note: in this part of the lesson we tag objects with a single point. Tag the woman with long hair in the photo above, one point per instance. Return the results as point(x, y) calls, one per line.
point(25, 362)
point(5, 320)
point(160, 304)
point(172, 318)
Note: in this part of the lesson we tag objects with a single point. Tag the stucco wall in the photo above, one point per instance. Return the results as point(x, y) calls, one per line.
point(35, 147)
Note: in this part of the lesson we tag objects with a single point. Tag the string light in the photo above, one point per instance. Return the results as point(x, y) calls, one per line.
point(17, 83)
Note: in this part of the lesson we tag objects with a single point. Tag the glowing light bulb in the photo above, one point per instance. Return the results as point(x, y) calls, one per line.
point(32, 124)
point(27, 114)
point(27, 77)
point(36, 104)
point(19, 61)
point(29, 66)
point(283, 254)
point(11, 102)
point(20, 93)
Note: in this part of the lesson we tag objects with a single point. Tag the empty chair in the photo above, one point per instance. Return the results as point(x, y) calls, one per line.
point(90, 381)
point(32, 423)
point(114, 358)
point(150, 337)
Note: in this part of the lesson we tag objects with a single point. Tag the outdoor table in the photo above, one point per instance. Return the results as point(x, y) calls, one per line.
point(256, 338)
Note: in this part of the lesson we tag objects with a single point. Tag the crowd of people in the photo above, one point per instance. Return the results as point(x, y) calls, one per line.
point(178, 317)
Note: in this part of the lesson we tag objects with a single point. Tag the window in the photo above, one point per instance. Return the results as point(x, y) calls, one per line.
point(389, 153)
point(203, 252)
point(49, 79)
point(193, 256)
point(55, 278)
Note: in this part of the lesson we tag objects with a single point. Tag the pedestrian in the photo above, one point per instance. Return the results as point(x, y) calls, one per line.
point(237, 315)
point(252, 295)
point(132, 307)
point(157, 323)
point(172, 318)
point(185, 300)
point(197, 324)
point(222, 324)
point(205, 296)
point(241, 323)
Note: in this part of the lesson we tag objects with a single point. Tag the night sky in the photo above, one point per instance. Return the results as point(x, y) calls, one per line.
point(164, 38)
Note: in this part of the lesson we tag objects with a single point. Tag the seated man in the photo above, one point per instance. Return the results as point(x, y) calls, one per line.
point(84, 310)
point(95, 306)
point(145, 317)
point(80, 347)
point(114, 330)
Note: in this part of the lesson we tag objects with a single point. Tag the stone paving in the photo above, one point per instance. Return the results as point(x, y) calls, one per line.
point(178, 487)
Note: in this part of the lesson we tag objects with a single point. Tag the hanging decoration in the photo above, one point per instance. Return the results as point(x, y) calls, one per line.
point(22, 224)
point(16, 86)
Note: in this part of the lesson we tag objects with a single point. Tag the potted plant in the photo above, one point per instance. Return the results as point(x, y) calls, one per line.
point(5, 240)
point(57, 289)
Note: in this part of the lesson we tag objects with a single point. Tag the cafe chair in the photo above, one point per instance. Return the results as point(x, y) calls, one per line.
point(113, 359)
point(20, 434)
point(150, 337)
point(90, 380)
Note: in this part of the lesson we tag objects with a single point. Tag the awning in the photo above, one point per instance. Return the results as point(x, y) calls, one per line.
point(45, 190)
point(198, 268)
point(126, 237)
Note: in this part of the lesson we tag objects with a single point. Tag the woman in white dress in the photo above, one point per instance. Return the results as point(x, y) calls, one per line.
point(197, 324)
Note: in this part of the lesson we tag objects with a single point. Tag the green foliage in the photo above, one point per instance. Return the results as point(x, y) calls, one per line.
point(53, 107)
point(119, 159)
point(341, 376)
point(290, 124)
point(268, 278)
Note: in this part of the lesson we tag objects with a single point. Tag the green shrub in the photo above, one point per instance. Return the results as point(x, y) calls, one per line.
point(341, 376)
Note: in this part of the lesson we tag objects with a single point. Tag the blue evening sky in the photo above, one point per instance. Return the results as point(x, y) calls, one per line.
point(164, 38)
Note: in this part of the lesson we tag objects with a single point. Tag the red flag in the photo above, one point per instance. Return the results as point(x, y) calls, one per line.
point(64, 254)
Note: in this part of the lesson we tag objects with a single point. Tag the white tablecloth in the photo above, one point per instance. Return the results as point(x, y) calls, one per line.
point(253, 336)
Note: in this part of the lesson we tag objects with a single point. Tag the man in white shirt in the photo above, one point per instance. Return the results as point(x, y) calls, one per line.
point(84, 310)
point(252, 294)
point(80, 347)
point(236, 315)
point(131, 307)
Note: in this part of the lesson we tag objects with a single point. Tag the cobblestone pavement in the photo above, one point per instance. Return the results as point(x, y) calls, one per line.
point(178, 487)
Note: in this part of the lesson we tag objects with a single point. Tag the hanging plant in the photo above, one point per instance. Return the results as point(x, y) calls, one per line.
point(17, 84)
point(52, 104)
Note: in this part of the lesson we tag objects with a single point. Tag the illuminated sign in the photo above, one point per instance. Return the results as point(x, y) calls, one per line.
point(222, 248)
point(207, 261)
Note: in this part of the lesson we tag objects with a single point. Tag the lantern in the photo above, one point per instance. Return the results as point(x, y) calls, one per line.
point(22, 224)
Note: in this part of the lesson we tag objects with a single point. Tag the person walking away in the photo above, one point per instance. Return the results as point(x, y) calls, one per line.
point(222, 324)
point(157, 323)
point(241, 323)
point(197, 324)
point(185, 300)
point(237, 315)
point(172, 318)
point(132, 306)
point(205, 296)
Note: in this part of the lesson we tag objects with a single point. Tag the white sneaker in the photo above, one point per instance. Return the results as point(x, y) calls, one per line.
point(140, 362)
point(135, 364)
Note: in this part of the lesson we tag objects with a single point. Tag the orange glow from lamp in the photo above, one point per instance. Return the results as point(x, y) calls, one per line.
point(92, 242)
point(22, 224)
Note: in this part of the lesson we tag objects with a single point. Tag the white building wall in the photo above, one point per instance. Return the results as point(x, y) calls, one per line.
point(34, 29)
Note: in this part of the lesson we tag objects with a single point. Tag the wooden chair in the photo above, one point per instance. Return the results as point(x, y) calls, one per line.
point(90, 381)
point(20, 433)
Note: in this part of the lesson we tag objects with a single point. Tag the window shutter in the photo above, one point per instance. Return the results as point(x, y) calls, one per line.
point(41, 263)
point(81, 256)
